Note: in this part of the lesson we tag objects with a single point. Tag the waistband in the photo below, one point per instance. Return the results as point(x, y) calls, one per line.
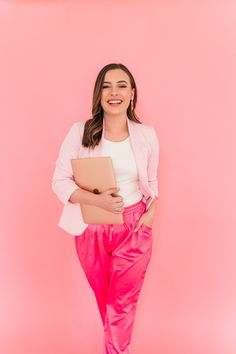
point(134, 207)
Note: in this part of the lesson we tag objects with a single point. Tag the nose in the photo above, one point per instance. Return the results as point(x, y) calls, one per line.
point(113, 91)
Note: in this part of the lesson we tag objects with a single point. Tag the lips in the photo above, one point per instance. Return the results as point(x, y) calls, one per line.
point(113, 101)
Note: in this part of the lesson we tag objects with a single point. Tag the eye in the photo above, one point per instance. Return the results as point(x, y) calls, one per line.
point(108, 86)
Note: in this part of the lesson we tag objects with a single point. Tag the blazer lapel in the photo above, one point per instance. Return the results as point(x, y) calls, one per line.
point(137, 144)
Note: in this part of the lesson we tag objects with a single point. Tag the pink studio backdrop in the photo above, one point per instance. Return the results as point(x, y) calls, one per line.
point(182, 55)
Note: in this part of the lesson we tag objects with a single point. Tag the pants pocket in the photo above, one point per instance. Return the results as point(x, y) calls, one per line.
point(145, 230)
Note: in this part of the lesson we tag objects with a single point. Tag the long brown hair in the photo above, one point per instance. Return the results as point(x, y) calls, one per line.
point(93, 126)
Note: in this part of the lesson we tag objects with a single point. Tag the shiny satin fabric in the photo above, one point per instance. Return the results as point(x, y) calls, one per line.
point(115, 259)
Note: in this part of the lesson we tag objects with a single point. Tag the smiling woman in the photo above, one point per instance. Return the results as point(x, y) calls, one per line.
point(114, 83)
point(114, 257)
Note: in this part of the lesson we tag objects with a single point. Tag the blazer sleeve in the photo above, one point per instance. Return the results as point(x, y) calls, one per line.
point(153, 162)
point(63, 184)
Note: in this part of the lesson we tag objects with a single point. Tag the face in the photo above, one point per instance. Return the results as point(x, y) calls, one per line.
point(116, 87)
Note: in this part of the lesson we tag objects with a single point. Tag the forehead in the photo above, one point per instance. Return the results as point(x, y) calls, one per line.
point(116, 75)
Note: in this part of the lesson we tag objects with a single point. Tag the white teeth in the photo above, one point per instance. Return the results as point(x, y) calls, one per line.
point(114, 101)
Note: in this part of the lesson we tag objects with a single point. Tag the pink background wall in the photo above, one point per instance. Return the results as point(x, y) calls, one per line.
point(182, 55)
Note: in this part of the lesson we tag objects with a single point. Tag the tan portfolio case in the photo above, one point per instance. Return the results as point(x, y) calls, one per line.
point(96, 174)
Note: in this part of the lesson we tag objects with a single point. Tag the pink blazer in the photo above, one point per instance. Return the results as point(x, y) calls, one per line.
point(145, 145)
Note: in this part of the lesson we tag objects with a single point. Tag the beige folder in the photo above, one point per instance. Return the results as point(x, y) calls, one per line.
point(96, 174)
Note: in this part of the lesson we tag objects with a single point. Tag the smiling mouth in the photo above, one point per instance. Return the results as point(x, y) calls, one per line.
point(114, 102)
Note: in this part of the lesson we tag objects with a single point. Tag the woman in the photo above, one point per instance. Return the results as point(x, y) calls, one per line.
point(114, 257)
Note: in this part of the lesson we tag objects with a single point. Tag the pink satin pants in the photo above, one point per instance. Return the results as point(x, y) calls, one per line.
point(115, 259)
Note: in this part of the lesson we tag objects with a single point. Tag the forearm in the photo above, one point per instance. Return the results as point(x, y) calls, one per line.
point(152, 208)
point(82, 196)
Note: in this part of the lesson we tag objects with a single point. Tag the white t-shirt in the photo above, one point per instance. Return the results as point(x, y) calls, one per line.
point(125, 167)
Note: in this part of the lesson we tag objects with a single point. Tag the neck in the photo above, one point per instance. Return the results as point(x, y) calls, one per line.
point(115, 123)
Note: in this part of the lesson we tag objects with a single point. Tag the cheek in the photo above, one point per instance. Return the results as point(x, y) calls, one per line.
point(127, 96)
point(127, 99)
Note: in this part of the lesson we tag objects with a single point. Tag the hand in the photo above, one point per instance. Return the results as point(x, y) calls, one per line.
point(109, 201)
point(146, 219)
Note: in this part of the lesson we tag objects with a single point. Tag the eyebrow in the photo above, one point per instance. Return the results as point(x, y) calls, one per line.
point(108, 82)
